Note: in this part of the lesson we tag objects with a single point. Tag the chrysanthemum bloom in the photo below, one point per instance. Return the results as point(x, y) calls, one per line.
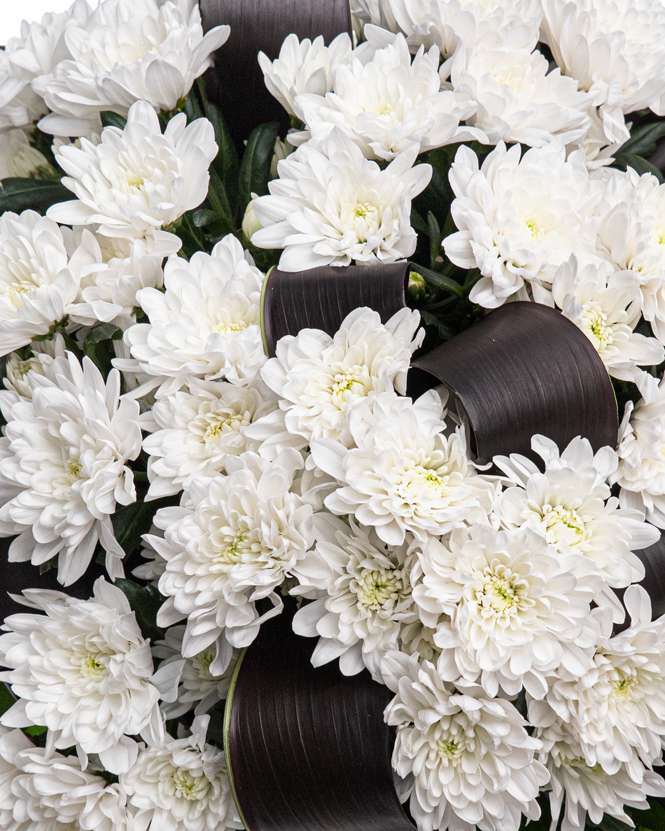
point(127, 51)
point(388, 104)
point(518, 98)
point(193, 432)
point(136, 180)
point(303, 66)
point(641, 470)
point(46, 791)
point(518, 609)
point(518, 219)
point(207, 322)
point(361, 593)
point(606, 305)
point(38, 285)
point(332, 206)
point(83, 670)
point(615, 50)
point(194, 685)
point(235, 542)
point(631, 233)
point(471, 759)
point(616, 709)
point(41, 360)
point(454, 24)
point(181, 785)
point(571, 506)
point(403, 474)
point(590, 791)
point(318, 378)
point(63, 467)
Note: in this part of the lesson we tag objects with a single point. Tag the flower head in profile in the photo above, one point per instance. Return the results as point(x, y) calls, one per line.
point(84, 670)
point(42, 790)
point(518, 610)
point(470, 757)
point(606, 304)
point(616, 709)
point(181, 785)
point(641, 451)
point(569, 503)
point(38, 283)
point(332, 206)
point(318, 377)
point(519, 219)
point(207, 322)
point(615, 50)
point(127, 51)
point(403, 474)
point(63, 467)
point(304, 66)
point(40, 359)
point(361, 593)
point(193, 432)
point(387, 104)
point(589, 791)
point(136, 181)
point(235, 542)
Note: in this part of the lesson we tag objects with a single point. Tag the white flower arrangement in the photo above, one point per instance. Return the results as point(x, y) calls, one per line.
point(157, 418)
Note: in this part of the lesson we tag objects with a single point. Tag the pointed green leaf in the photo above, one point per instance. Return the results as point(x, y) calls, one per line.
point(145, 602)
point(22, 194)
point(439, 280)
point(643, 139)
point(256, 161)
point(110, 119)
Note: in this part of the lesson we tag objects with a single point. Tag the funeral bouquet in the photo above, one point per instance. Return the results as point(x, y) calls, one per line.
point(348, 340)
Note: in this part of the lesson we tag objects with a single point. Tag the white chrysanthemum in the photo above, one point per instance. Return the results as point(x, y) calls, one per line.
point(388, 104)
point(518, 220)
point(616, 709)
point(235, 542)
point(403, 474)
point(136, 180)
point(17, 158)
point(113, 271)
point(193, 432)
point(332, 206)
point(42, 791)
point(632, 234)
point(470, 758)
point(519, 610)
point(361, 592)
point(641, 471)
point(41, 361)
point(127, 51)
point(318, 378)
point(615, 50)
point(181, 785)
point(452, 25)
point(590, 791)
point(194, 683)
point(518, 98)
point(594, 149)
point(207, 322)
point(63, 467)
point(83, 670)
point(570, 505)
point(38, 284)
point(374, 12)
point(303, 66)
point(606, 305)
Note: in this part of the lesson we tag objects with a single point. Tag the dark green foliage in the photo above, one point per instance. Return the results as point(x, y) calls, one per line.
point(20, 194)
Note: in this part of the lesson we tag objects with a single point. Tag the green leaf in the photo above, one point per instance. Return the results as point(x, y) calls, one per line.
point(623, 160)
point(110, 119)
point(256, 161)
point(203, 217)
point(438, 280)
point(7, 700)
point(35, 731)
point(418, 222)
point(430, 320)
point(20, 194)
point(435, 237)
point(130, 522)
point(105, 331)
point(653, 818)
point(226, 162)
point(145, 602)
point(643, 139)
point(220, 202)
point(609, 823)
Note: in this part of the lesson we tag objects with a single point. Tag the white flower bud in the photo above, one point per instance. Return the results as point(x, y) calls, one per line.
point(24, 164)
point(250, 224)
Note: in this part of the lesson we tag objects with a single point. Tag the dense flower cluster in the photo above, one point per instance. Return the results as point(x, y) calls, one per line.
point(145, 411)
